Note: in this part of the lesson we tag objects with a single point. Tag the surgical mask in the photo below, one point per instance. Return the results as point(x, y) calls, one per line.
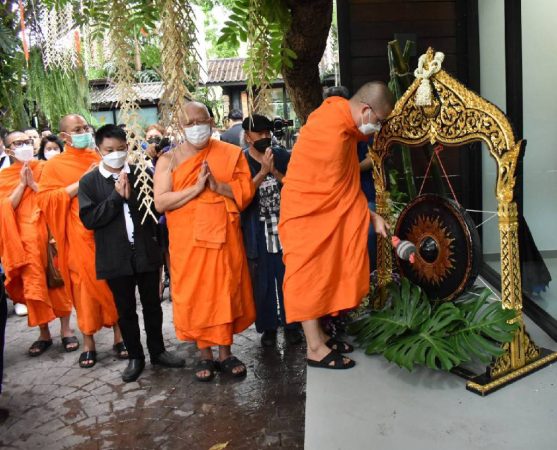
point(48, 154)
point(198, 135)
point(369, 128)
point(115, 160)
point(83, 140)
point(262, 144)
point(24, 153)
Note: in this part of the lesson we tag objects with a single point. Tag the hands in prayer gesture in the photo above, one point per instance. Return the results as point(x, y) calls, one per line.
point(26, 177)
point(122, 185)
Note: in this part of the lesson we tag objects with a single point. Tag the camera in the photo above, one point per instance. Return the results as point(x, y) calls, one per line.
point(279, 125)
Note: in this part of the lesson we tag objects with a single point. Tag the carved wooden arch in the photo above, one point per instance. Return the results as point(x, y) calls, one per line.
point(459, 116)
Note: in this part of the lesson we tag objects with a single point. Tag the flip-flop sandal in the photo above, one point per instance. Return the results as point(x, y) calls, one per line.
point(205, 365)
point(68, 341)
point(333, 357)
point(39, 347)
point(339, 346)
point(91, 355)
point(229, 364)
point(120, 350)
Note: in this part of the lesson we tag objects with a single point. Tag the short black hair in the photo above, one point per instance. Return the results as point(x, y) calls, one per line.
point(47, 139)
point(235, 114)
point(110, 131)
point(336, 91)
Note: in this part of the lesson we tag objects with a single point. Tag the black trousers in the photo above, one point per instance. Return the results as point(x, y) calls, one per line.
point(123, 289)
point(3, 319)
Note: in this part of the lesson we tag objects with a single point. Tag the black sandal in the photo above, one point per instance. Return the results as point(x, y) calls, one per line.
point(205, 365)
point(40, 347)
point(339, 346)
point(333, 357)
point(121, 350)
point(68, 341)
point(229, 364)
point(91, 355)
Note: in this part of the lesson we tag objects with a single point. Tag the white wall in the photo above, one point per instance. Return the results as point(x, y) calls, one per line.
point(493, 88)
point(539, 68)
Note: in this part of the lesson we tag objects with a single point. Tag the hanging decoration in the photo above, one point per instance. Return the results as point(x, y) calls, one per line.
point(257, 66)
point(123, 79)
point(179, 58)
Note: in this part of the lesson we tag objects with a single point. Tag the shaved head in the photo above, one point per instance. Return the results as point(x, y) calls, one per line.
point(194, 111)
point(15, 136)
point(68, 122)
point(376, 94)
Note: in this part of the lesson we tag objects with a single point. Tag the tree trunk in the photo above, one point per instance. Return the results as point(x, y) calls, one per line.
point(307, 37)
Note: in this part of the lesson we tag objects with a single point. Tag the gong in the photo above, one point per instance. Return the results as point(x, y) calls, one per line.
point(448, 251)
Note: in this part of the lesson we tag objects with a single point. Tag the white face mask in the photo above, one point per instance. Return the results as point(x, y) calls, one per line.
point(115, 160)
point(369, 128)
point(24, 153)
point(48, 154)
point(198, 135)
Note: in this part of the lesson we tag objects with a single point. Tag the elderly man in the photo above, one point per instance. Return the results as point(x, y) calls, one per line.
point(202, 185)
point(23, 247)
point(325, 218)
point(57, 198)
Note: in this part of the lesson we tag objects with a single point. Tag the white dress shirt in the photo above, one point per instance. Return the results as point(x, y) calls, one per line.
point(127, 215)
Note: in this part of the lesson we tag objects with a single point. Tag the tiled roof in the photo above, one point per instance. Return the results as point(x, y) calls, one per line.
point(219, 72)
point(226, 70)
point(107, 94)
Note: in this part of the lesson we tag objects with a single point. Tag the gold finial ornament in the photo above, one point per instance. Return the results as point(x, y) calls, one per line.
point(437, 108)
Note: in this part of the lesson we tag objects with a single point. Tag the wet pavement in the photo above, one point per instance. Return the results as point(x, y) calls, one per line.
point(54, 404)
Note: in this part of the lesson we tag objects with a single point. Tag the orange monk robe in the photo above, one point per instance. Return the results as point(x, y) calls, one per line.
point(324, 217)
point(211, 289)
point(92, 298)
point(23, 250)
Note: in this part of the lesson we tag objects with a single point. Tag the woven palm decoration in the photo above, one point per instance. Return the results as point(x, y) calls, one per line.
point(124, 81)
point(180, 61)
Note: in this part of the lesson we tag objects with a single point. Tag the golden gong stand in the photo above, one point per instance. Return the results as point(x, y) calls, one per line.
point(452, 116)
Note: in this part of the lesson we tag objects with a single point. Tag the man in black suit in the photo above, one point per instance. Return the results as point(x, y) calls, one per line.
point(232, 135)
point(127, 253)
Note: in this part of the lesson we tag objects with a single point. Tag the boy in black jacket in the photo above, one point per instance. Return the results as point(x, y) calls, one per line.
point(127, 253)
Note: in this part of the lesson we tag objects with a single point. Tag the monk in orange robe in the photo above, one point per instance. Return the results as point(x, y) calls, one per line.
point(57, 199)
point(324, 218)
point(23, 247)
point(202, 185)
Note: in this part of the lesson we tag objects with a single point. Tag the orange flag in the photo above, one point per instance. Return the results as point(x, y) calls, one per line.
point(23, 249)
point(211, 289)
point(92, 298)
point(324, 217)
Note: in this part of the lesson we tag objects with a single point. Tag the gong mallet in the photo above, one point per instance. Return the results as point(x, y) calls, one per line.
point(405, 250)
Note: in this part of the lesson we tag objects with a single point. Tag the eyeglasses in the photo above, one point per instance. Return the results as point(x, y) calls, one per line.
point(154, 140)
point(379, 121)
point(19, 143)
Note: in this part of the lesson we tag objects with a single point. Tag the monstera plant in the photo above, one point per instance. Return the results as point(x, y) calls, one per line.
point(412, 330)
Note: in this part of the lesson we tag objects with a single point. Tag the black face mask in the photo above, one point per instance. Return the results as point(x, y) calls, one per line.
point(262, 144)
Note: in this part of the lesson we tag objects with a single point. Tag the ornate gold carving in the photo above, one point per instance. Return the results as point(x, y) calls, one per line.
point(502, 364)
point(459, 116)
point(510, 377)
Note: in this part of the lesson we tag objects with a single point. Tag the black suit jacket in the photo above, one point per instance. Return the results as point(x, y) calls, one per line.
point(101, 210)
point(232, 135)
